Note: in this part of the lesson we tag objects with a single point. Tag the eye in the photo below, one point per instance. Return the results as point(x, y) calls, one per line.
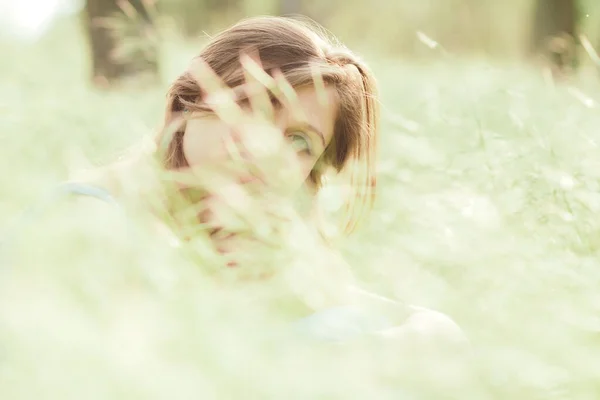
point(300, 143)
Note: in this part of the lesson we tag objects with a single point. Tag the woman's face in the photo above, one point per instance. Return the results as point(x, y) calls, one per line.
point(308, 133)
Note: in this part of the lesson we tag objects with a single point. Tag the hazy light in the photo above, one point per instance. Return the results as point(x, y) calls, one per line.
point(29, 19)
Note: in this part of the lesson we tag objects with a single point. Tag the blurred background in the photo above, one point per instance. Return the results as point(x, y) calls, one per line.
point(80, 48)
point(487, 207)
point(141, 29)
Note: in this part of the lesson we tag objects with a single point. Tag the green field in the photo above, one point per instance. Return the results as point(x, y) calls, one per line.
point(487, 210)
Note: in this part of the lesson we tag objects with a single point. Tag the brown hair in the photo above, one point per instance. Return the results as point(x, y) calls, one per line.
point(296, 50)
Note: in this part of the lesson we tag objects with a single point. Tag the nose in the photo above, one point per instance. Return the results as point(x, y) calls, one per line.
point(254, 141)
point(243, 180)
point(239, 143)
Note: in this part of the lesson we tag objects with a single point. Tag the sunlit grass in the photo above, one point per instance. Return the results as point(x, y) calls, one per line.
point(486, 211)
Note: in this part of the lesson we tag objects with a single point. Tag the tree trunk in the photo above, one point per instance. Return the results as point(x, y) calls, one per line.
point(122, 39)
point(554, 28)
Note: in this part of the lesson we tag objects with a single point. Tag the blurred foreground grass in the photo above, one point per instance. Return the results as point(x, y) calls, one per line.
point(487, 210)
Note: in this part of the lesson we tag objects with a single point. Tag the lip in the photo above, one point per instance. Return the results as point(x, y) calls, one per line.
point(218, 233)
point(249, 179)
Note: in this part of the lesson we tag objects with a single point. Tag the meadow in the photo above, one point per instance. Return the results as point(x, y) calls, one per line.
point(487, 210)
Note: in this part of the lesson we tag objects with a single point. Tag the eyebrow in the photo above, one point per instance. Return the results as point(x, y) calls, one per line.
point(303, 125)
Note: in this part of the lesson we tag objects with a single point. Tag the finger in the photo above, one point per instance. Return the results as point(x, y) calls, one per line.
point(258, 82)
point(261, 139)
point(224, 102)
point(218, 96)
point(262, 136)
point(287, 95)
point(277, 84)
point(167, 135)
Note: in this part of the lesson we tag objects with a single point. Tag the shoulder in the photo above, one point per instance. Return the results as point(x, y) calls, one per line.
point(431, 349)
point(412, 321)
point(64, 224)
point(429, 327)
point(75, 208)
point(431, 346)
point(75, 199)
point(434, 323)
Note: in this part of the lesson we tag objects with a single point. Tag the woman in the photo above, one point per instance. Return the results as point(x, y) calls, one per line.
point(266, 110)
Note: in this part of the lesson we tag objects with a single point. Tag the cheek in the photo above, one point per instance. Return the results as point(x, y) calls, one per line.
point(204, 141)
point(306, 165)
